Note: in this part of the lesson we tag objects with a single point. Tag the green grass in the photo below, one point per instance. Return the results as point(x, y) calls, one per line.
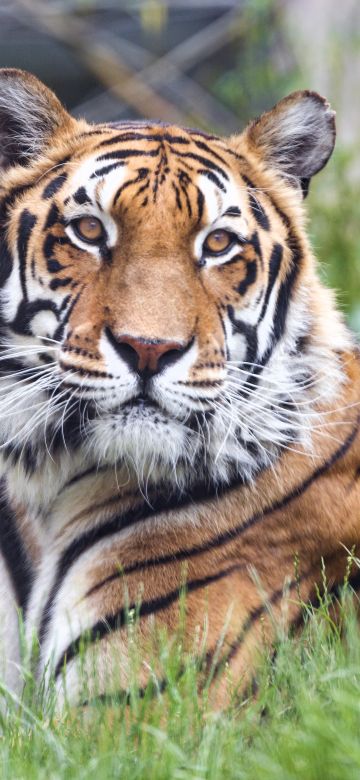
point(304, 721)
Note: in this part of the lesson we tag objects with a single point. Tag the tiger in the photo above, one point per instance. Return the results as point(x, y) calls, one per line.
point(179, 393)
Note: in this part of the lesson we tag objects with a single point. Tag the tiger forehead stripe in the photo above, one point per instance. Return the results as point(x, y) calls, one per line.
point(133, 136)
point(106, 169)
point(163, 137)
point(160, 139)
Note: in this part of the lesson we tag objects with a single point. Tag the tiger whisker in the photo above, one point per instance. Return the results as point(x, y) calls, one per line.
point(253, 426)
point(264, 377)
point(309, 412)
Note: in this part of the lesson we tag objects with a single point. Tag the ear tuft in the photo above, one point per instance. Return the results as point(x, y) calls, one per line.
point(296, 137)
point(29, 115)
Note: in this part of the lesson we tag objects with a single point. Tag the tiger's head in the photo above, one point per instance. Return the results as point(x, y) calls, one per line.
point(159, 302)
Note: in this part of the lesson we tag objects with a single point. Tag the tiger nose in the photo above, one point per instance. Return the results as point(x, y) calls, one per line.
point(147, 356)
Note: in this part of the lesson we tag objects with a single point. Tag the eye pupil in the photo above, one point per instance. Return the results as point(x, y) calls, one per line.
point(218, 241)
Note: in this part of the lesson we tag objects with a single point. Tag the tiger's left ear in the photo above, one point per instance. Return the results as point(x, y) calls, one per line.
point(30, 114)
point(296, 137)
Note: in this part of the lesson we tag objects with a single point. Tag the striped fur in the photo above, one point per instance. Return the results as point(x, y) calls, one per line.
point(166, 413)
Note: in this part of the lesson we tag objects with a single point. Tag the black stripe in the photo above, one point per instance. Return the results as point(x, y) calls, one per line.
point(203, 161)
point(68, 311)
point(206, 148)
point(238, 530)
point(233, 260)
point(253, 616)
point(106, 169)
point(142, 173)
point(212, 176)
point(274, 268)
point(81, 197)
point(27, 310)
point(258, 212)
point(51, 242)
point(100, 130)
point(121, 154)
point(118, 620)
point(284, 217)
point(255, 243)
point(238, 156)
point(283, 299)
point(27, 223)
point(53, 217)
point(248, 331)
point(6, 260)
point(195, 131)
point(206, 663)
point(177, 195)
point(85, 371)
point(232, 211)
point(183, 188)
point(54, 186)
point(124, 697)
point(13, 551)
point(199, 493)
point(93, 470)
point(54, 266)
point(250, 278)
point(134, 136)
point(200, 204)
point(313, 601)
point(10, 199)
point(56, 283)
point(284, 296)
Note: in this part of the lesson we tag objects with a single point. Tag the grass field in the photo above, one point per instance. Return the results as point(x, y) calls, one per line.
point(304, 721)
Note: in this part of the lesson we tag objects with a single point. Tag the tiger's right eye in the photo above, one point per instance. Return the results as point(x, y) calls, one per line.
point(89, 229)
point(218, 242)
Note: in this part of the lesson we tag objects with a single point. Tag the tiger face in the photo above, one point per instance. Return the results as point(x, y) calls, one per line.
point(157, 288)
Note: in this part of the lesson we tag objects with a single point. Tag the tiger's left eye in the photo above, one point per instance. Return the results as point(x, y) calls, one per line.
point(218, 242)
point(89, 229)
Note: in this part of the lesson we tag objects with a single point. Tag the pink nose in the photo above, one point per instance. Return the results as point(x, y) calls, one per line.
point(149, 352)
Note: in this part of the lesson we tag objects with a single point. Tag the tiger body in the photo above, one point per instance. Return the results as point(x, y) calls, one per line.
point(179, 395)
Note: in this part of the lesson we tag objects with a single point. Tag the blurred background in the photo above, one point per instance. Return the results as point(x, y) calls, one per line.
point(212, 64)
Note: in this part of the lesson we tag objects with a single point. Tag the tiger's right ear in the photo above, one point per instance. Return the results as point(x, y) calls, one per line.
point(29, 115)
point(295, 138)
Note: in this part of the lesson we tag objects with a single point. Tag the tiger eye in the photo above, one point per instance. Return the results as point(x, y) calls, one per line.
point(90, 229)
point(217, 242)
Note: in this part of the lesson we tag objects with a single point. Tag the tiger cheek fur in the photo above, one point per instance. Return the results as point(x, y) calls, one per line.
point(172, 374)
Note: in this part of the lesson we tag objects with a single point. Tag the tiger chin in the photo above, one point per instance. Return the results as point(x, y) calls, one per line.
point(177, 387)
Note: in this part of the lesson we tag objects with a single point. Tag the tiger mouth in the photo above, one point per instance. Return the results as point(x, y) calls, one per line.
point(141, 404)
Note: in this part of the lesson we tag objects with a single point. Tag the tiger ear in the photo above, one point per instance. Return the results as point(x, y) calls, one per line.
point(296, 137)
point(29, 115)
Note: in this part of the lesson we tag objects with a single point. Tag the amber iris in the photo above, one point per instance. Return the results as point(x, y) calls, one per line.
point(90, 229)
point(217, 242)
